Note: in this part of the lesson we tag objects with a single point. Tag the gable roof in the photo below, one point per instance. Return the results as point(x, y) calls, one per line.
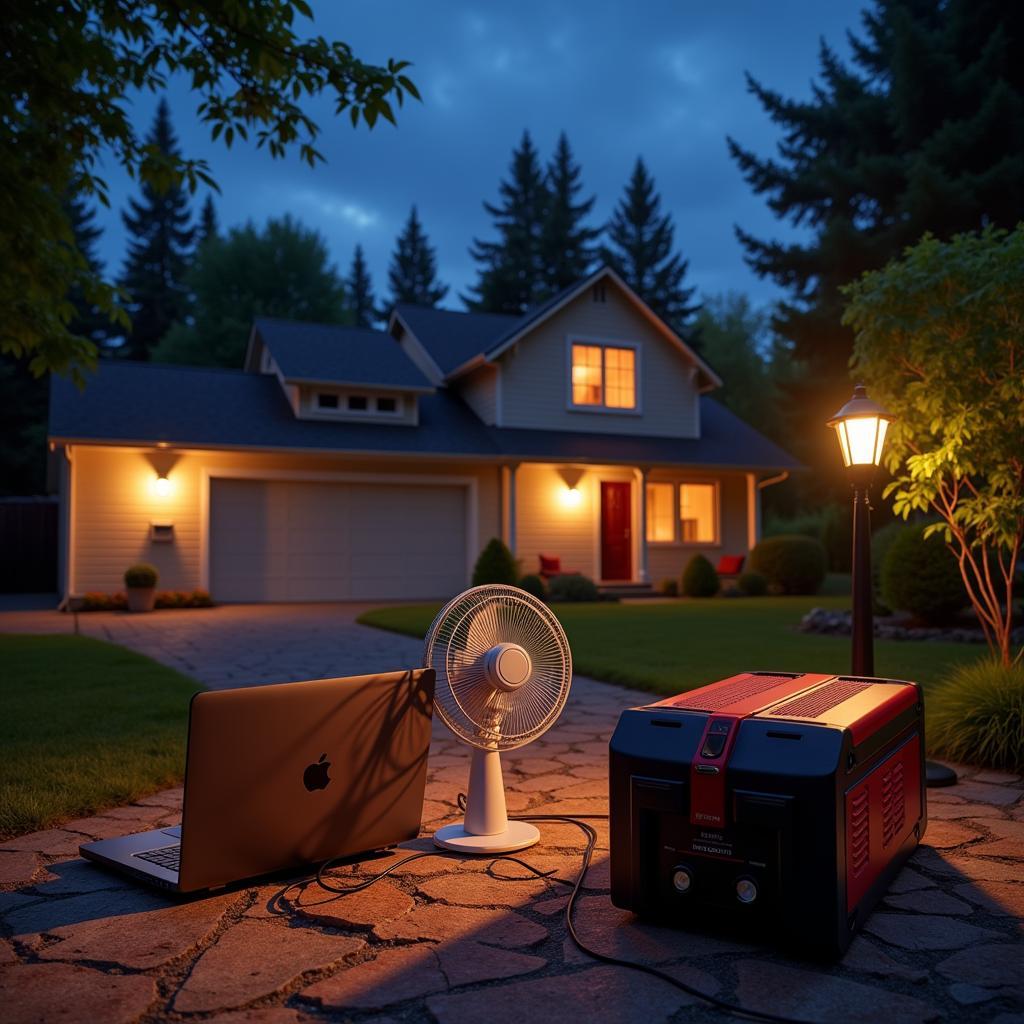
point(329, 353)
point(452, 337)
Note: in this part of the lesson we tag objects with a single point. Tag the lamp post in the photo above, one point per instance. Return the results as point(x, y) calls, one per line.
point(861, 426)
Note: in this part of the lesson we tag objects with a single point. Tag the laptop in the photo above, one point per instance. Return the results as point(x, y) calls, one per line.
point(286, 775)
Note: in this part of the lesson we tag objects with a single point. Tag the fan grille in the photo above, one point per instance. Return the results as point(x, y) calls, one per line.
point(457, 642)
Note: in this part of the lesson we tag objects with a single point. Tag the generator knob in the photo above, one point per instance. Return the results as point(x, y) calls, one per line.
point(681, 878)
point(746, 890)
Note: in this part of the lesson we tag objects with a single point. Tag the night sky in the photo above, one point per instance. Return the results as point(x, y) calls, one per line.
point(660, 79)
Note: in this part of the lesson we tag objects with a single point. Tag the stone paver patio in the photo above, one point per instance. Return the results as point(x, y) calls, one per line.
point(452, 941)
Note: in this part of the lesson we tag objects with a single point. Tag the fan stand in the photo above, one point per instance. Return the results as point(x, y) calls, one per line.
point(486, 828)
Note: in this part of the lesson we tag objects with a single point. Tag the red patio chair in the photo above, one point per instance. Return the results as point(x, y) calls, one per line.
point(730, 566)
point(551, 566)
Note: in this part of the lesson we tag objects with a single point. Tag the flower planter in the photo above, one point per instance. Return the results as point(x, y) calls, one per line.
point(140, 599)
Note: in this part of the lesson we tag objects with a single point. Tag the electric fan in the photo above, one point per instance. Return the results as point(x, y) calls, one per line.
point(503, 674)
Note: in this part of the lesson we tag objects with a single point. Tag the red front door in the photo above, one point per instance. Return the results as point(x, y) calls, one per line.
point(616, 545)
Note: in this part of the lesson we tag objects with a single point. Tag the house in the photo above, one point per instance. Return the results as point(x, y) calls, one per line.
point(368, 465)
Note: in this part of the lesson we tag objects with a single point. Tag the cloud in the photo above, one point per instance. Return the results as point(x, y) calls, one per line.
point(334, 207)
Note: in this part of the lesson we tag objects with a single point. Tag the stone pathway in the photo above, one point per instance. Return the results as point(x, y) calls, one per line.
point(451, 941)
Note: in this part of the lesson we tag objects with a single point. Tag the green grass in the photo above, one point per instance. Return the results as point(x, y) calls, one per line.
point(85, 725)
point(668, 648)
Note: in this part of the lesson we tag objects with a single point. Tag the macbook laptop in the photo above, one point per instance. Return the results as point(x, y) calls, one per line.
point(286, 775)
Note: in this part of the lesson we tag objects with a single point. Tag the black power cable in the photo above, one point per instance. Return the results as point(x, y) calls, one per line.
point(591, 834)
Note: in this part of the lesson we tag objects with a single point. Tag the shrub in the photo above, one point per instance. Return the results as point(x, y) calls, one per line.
point(183, 599)
point(977, 716)
point(572, 587)
point(533, 584)
point(790, 564)
point(669, 587)
point(495, 565)
point(95, 601)
point(752, 584)
point(837, 536)
point(881, 541)
point(700, 578)
point(141, 575)
point(922, 577)
point(807, 524)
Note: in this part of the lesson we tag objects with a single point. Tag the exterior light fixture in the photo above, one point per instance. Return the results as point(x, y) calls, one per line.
point(861, 426)
point(571, 497)
point(162, 486)
point(571, 477)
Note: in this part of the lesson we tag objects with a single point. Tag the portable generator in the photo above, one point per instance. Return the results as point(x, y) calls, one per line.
point(779, 805)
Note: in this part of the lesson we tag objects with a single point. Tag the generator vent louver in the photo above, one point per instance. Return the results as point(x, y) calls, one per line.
point(894, 803)
point(859, 828)
point(817, 702)
point(742, 688)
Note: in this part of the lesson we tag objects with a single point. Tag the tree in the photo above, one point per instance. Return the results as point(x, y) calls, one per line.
point(939, 340)
point(511, 271)
point(640, 250)
point(64, 103)
point(208, 227)
point(567, 243)
point(362, 307)
point(412, 275)
point(159, 249)
point(282, 270)
point(921, 132)
point(88, 322)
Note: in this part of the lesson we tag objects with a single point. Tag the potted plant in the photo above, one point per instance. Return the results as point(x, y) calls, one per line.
point(140, 583)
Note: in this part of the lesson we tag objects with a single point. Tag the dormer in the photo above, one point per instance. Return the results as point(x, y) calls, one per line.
point(335, 373)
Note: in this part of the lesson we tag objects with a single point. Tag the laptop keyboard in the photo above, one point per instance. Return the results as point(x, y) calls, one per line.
point(166, 857)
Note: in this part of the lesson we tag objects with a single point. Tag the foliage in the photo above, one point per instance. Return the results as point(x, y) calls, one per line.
point(96, 601)
point(881, 540)
point(412, 275)
point(566, 241)
point(977, 716)
point(572, 587)
point(832, 524)
point(920, 576)
point(65, 106)
point(159, 250)
point(790, 564)
point(752, 584)
point(23, 427)
point(920, 132)
point(495, 565)
point(141, 575)
point(533, 584)
point(362, 307)
point(208, 226)
point(669, 587)
point(88, 321)
point(640, 250)
point(280, 271)
point(700, 578)
point(940, 343)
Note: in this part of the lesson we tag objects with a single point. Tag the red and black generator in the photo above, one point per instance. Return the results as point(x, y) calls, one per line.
point(777, 804)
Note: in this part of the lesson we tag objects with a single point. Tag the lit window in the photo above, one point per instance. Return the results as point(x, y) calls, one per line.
point(661, 525)
point(698, 514)
point(387, 405)
point(604, 375)
point(358, 403)
point(325, 401)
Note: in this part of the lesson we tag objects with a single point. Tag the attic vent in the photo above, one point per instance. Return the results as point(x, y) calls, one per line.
point(600, 293)
point(894, 803)
point(858, 830)
point(720, 697)
point(817, 702)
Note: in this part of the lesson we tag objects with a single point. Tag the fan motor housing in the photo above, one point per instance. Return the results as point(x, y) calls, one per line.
point(777, 805)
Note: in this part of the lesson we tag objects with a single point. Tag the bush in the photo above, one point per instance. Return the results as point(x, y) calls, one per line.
point(141, 575)
point(790, 564)
point(700, 578)
point(533, 584)
point(669, 587)
point(495, 565)
point(806, 525)
point(572, 587)
point(752, 584)
point(922, 577)
point(881, 541)
point(977, 716)
point(94, 601)
point(183, 599)
point(837, 536)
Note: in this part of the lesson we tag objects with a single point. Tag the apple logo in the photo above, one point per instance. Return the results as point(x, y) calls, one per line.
point(315, 776)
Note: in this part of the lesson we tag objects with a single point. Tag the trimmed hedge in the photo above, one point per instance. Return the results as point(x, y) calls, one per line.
point(922, 577)
point(700, 578)
point(572, 587)
point(533, 584)
point(141, 575)
point(752, 584)
point(790, 564)
point(495, 565)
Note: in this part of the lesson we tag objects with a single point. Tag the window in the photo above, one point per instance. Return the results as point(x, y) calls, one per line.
point(387, 405)
point(698, 517)
point(358, 403)
point(603, 375)
point(326, 401)
point(661, 525)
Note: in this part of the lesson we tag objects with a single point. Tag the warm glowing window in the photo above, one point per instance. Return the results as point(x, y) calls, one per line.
point(604, 375)
point(661, 524)
point(698, 517)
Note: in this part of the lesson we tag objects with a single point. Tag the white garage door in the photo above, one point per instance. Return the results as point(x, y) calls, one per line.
point(275, 540)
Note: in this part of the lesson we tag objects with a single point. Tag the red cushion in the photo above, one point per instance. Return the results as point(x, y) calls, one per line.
point(729, 565)
point(550, 564)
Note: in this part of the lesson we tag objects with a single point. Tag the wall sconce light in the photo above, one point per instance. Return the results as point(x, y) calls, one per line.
point(571, 497)
point(571, 475)
point(162, 486)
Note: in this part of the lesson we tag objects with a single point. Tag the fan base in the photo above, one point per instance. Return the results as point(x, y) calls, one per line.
point(518, 836)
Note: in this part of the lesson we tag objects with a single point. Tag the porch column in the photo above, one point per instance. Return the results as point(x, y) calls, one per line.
point(644, 575)
point(511, 539)
point(753, 512)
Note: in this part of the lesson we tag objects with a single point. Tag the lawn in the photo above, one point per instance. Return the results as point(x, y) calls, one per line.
point(670, 647)
point(86, 725)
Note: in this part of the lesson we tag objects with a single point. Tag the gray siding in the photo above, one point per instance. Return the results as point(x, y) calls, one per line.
point(479, 390)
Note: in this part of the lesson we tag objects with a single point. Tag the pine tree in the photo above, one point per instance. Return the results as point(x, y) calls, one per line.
point(511, 274)
point(362, 306)
point(641, 241)
point(159, 252)
point(88, 321)
point(412, 275)
point(208, 226)
point(567, 244)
